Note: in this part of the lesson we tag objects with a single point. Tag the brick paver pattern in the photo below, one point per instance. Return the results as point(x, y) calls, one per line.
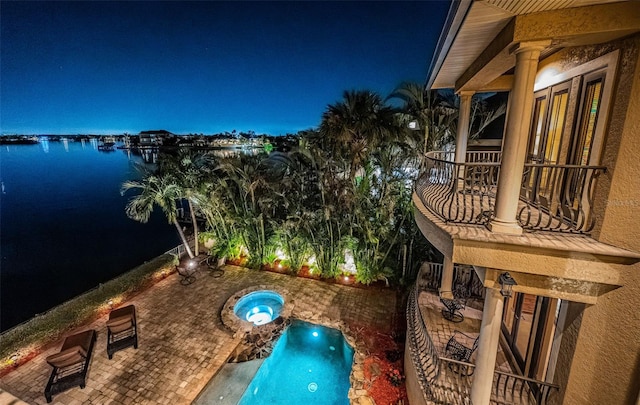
point(182, 341)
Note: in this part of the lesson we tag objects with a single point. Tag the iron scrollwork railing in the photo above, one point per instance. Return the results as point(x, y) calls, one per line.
point(422, 350)
point(552, 198)
point(511, 389)
point(464, 278)
point(460, 192)
point(448, 381)
point(558, 197)
point(439, 386)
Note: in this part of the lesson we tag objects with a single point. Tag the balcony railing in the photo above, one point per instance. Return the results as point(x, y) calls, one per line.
point(464, 279)
point(558, 197)
point(448, 381)
point(424, 354)
point(552, 197)
point(514, 389)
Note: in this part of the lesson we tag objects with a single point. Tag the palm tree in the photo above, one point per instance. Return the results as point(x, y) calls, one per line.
point(155, 190)
point(354, 189)
point(434, 113)
point(351, 129)
point(250, 200)
point(189, 170)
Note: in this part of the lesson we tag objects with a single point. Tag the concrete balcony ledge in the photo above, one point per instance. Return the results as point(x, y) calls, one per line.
point(592, 266)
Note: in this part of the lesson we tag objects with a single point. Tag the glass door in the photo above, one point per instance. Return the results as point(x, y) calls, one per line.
point(518, 323)
point(549, 119)
point(528, 325)
point(580, 154)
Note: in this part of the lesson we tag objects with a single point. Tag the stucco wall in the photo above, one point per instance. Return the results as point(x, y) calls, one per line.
point(605, 366)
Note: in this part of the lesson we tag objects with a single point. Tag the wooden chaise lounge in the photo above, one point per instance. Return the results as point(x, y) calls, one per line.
point(122, 330)
point(71, 364)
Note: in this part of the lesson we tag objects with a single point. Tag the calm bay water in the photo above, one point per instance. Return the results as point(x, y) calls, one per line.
point(63, 228)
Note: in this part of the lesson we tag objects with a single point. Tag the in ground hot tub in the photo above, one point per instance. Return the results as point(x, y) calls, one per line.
point(259, 307)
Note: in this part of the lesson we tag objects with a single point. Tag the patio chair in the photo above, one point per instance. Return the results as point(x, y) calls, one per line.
point(452, 310)
point(460, 347)
point(71, 364)
point(187, 273)
point(122, 330)
point(214, 264)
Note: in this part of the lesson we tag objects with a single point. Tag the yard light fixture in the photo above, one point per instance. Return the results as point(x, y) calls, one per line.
point(506, 284)
point(192, 263)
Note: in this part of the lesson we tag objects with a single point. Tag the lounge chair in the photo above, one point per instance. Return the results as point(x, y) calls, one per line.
point(71, 364)
point(122, 330)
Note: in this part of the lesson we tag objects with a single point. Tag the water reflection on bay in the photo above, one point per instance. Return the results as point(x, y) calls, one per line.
point(64, 228)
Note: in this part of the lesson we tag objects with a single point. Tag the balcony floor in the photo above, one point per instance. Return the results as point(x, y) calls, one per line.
point(441, 329)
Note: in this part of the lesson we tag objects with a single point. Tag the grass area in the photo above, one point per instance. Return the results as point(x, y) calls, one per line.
point(26, 340)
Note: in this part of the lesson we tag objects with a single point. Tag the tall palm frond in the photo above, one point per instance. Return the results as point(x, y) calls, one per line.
point(154, 190)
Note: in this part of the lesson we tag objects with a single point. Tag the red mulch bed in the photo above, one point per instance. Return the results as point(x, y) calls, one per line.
point(383, 366)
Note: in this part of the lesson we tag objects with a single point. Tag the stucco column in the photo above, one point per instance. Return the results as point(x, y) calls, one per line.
point(446, 283)
point(514, 148)
point(462, 134)
point(487, 347)
point(464, 118)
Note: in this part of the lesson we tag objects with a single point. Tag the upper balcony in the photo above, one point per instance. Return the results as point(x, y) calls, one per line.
point(454, 201)
point(552, 197)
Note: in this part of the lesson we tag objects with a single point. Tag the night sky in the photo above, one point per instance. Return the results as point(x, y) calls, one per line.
point(270, 67)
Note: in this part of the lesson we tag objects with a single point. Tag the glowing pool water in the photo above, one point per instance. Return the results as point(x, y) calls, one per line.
point(310, 364)
point(259, 307)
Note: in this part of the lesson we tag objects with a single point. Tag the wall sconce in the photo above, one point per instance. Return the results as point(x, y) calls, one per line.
point(506, 284)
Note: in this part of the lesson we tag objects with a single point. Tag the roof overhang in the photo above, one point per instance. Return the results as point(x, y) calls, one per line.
point(475, 47)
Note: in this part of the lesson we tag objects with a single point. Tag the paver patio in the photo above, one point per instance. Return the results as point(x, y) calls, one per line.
point(182, 341)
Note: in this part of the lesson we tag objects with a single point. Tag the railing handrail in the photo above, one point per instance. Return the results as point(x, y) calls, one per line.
point(177, 251)
point(432, 156)
point(511, 388)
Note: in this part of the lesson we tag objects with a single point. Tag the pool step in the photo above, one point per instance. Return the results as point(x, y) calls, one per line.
point(228, 385)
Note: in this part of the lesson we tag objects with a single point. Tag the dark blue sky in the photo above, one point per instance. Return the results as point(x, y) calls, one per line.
point(271, 67)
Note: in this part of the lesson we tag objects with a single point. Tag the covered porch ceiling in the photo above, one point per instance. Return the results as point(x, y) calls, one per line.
point(474, 49)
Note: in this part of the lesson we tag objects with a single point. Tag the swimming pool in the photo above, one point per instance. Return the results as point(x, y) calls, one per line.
point(310, 364)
